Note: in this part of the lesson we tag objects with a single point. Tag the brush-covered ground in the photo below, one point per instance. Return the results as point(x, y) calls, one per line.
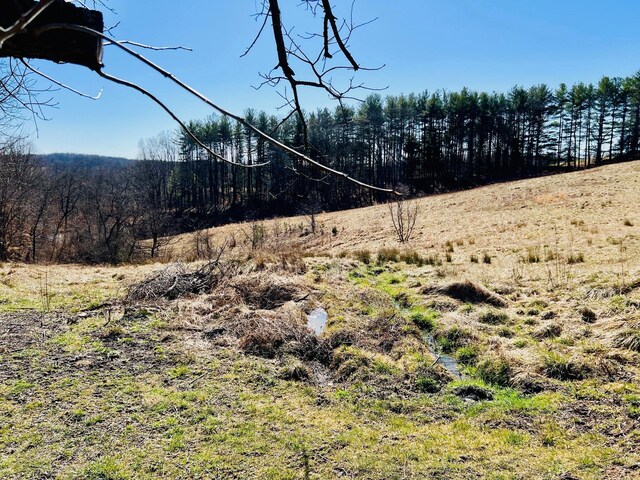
point(502, 341)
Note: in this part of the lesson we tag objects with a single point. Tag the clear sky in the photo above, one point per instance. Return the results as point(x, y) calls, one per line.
point(487, 45)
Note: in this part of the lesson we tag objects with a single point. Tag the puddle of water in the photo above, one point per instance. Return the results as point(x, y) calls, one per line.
point(445, 360)
point(317, 320)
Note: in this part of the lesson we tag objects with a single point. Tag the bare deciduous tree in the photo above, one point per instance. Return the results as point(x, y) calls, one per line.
point(404, 215)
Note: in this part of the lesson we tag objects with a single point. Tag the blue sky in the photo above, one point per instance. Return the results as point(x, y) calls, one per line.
point(487, 45)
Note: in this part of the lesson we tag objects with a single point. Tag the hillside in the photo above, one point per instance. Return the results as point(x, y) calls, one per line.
point(84, 160)
point(503, 341)
point(579, 211)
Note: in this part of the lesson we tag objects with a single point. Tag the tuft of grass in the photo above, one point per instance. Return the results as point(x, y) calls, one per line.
point(628, 223)
point(363, 256)
point(493, 317)
point(561, 367)
point(533, 255)
point(473, 258)
point(494, 369)
point(551, 330)
point(294, 370)
point(520, 343)
point(425, 320)
point(573, 259)
point(486, 258)
point(467, 355)
point(453, 338)
point(386, 255)
point(411, 257)
point(628, 339)
point(588, 315)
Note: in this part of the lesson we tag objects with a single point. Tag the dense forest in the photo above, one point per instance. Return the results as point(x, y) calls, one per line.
point(421, 143)
point(418, 143)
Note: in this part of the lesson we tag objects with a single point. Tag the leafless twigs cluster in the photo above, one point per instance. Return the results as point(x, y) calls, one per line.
point(404, 216)
point(313, 53)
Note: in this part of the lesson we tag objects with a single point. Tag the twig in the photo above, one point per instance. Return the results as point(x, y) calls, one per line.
point(149, 47)
point(177, 120)
point(60, 84)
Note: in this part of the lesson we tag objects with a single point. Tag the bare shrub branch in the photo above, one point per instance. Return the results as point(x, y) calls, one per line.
point(403, 216)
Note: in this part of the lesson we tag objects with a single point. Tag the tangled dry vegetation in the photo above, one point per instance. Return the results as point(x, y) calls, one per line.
point(262, 311)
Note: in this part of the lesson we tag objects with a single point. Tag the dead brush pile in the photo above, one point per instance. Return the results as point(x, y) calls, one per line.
point(262, 314)
point(267, 291)
point(176, 281)
point(270, 333)
point(467, 291)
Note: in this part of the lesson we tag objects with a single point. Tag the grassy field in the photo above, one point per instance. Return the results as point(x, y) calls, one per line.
point(502, 341)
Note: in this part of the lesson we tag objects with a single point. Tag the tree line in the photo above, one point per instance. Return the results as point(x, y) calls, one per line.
point(417, 143)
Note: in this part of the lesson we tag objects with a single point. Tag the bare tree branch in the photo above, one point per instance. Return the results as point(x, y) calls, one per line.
point(177, 120)
point(24, 21)
point(213, 105)
point(149, 47)
point(60, 84)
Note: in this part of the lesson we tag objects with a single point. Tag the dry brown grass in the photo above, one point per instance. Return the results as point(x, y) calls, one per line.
point(583, 210)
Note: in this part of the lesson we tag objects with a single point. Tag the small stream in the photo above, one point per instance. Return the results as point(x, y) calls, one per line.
point(446, 361)
point(317, 320)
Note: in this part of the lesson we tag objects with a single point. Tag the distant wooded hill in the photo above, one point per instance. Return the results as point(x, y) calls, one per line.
point(84, 160)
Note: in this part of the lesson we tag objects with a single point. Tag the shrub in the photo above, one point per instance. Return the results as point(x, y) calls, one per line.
point(403, 218)
point(363, 256)
point(387, 255)
point(628, 223)
point(486, 258)
point(474, 258)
